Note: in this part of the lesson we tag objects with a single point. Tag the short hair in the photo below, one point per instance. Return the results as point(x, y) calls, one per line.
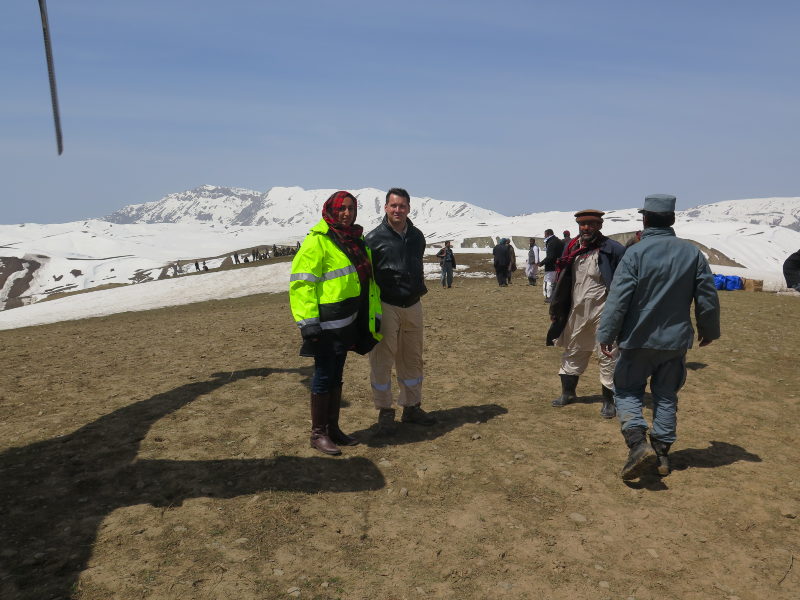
point(550, 231)
point(398, 192)
point(659, 219)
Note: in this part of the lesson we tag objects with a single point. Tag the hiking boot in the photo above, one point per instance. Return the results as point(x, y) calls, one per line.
point(386, 424)
point(609, 410)
point(337, 436)
point(414, 414)
point(661, 450)
point(568, 385)
point(319, 425)
point(641, 455)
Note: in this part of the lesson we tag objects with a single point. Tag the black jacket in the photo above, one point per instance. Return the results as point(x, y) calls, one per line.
point(791, 270)
point(397, 263)
point(554, 248)
point(442, 254)
point(502, 255)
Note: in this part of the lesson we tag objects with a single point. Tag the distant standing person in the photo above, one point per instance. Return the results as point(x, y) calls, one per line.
point(566, 239)
point(336, 305)
point(532, 264)
point(512, 260)
point(397, 252)
point(501, 261)
point(205, 266)
point(585, 274)
point(648, 315)
point(196, 266)
point(447, 261)
point(791, 271)
point(236, 257)
point(553, 248)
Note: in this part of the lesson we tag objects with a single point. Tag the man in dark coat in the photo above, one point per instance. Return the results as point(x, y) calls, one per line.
point(585, 273)
point(502, 258)
point(648, 314)
point(553, 248)
point(447, 261)
point(791, 271)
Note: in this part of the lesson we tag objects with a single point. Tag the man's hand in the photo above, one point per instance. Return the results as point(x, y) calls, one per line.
point(704, 342)
point(606, 349)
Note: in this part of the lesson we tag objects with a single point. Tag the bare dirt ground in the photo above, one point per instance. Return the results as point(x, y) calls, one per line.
point(165, 455)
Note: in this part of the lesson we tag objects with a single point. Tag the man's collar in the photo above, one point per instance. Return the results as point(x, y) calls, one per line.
point(655, 231)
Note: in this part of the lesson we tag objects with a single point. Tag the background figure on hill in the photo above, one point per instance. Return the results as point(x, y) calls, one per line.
point(255, 254)
point(205, 266)
point(246, 259)
point(634, 240)
point(566, 239)
point(648, 315)
point(501, 261)
point(532, 264)
point(447, 261)
point(553, 248)
point(791, 271)
point(336, 305)
point(397, 252)
point(196, 266)
point(236, 257)
point(585, 273)
point(512, 260)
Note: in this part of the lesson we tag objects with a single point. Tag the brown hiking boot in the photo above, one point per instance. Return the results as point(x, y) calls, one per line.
point(414, 414)
point(319, 425)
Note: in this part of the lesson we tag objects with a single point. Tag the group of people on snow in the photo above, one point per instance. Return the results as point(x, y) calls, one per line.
point(351, 292)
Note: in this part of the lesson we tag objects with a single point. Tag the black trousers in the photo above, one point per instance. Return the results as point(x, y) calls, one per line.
point(502, 272)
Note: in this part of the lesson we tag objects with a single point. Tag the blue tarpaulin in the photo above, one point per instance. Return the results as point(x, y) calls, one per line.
point(728, 282)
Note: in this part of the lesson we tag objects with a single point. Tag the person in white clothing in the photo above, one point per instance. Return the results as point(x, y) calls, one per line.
point(532, 264)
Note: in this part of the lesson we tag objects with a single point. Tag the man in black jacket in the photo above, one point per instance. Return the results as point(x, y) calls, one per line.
point(554, 248)
point(791, 271)
point(397, 249)
point(502, 258)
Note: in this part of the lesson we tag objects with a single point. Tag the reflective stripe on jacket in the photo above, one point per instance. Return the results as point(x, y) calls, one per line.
point(324, 287)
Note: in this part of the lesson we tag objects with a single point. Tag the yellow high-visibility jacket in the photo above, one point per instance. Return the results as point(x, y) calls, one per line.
point(324, 289)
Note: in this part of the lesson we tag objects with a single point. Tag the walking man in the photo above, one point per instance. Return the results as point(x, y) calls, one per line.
point(585, 273)
point(512, 260)
point(397, 249)
point(553, 248)
point(448, 262)
point(648, 315)
point(532, 264)
point(501, 262)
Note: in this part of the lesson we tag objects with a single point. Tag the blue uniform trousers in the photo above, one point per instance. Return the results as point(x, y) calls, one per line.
point(666, 370)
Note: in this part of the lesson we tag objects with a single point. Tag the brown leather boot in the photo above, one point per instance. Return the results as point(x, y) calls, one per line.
point(319, 425)
point(337, 435)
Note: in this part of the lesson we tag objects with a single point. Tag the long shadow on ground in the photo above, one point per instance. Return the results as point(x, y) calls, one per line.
point(56, 493)
point(718, 454)
point(409, 433)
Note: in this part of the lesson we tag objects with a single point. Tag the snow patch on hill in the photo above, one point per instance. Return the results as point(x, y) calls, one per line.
point(783, 212)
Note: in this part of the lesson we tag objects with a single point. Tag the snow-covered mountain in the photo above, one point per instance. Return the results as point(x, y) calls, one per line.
point(783, 212)
point(280, 207)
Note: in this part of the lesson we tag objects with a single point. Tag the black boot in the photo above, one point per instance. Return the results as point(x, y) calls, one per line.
point(568, 385)
point(337, 436)
point(661, 449)
point(609, 410)
point(319, 425)
point(641, 455)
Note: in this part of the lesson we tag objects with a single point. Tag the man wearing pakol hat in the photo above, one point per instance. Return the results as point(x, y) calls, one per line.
point(583, 278)
point(648, 315)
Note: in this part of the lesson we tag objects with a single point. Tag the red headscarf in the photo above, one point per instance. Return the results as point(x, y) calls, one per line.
point(349, 237)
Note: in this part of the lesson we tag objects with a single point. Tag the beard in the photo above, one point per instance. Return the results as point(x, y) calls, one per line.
point(588, 238)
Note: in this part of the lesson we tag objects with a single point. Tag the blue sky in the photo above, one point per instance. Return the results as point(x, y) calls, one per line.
point(514, 106)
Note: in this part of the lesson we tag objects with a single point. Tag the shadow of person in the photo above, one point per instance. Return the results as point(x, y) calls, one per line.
point(718, 454)
point(410, 433)
point(695, 366)
point(56, 493)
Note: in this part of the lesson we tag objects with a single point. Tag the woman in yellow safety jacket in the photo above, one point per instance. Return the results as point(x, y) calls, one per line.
point(336, 305)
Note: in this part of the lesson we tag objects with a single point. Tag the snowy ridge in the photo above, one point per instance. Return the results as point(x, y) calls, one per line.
point(784, 212)
point(279, 207)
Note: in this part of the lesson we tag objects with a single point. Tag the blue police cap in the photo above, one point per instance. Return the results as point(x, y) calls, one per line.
point(659, 203)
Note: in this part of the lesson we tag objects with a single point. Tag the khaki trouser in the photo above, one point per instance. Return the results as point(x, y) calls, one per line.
point(401, 346)
point(574, 362)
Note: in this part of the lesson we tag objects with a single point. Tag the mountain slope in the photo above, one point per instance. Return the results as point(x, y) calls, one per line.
point(784, 212)
point(280, 207)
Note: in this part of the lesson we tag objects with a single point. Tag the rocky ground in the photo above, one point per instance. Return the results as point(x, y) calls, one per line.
point(165, 455)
